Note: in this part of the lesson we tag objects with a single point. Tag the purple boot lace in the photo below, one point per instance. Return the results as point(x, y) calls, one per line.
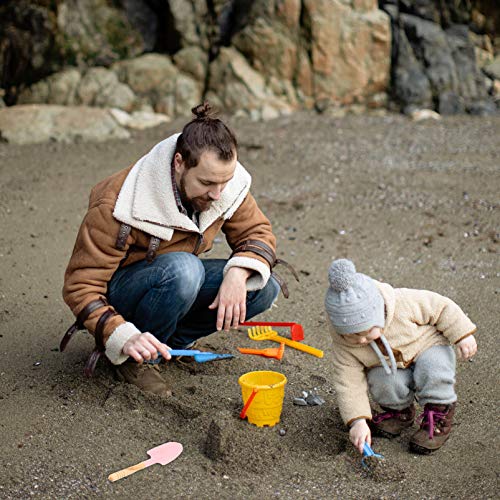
point(379, 417)
point(430, 418)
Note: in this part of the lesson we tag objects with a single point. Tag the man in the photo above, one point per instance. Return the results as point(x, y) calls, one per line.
point(135, 280)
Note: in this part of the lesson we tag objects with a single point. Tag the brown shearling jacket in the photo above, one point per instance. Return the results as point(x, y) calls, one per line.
point(96, 255)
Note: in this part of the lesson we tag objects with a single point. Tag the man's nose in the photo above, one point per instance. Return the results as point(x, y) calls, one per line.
point(215, 193)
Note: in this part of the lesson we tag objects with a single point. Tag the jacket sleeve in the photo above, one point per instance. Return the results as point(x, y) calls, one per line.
point(351, 386)
point(249, 223)
point(430, 308)
point(92, 264)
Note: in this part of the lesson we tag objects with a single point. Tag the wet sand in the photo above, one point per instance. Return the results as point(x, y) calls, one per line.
point(413, 204)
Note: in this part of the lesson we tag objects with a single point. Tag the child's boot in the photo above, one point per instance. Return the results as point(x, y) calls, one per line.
point(390, 423)
point(435, 428)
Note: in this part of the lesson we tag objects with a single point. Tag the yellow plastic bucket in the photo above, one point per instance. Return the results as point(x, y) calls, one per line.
point(269, 388)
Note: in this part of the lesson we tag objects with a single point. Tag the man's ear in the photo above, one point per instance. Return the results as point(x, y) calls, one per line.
point(178, 163)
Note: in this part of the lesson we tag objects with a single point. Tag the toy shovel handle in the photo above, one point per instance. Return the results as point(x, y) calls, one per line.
point(299, 346)
point(127, 472)
point(243, 412)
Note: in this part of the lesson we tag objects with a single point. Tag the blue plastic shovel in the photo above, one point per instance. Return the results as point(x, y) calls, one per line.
point(199, 356)
point(368, 452)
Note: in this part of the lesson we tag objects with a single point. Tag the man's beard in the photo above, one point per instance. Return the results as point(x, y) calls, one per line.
point(198, 203)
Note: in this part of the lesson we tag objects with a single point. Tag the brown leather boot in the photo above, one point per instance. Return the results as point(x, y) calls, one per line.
point(145, 376)
point(435, 428)
point(390, 423)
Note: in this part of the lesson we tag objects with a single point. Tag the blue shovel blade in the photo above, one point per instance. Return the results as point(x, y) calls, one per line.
point(200, 356)
point(368, 452)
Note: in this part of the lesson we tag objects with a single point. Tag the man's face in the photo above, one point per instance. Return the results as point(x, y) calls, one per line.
point(201, 185)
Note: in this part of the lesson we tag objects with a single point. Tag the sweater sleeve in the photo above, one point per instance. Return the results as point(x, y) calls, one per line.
point(249, 223)
point(351, 386)
point(92, 264)
point(430, 308)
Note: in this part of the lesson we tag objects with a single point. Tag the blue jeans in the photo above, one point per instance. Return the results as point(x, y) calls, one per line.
point(170, 297)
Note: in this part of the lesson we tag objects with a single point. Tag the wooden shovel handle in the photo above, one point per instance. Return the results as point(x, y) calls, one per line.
point(126, 472)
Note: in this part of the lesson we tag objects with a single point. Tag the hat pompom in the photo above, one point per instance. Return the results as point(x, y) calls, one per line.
point(341, 274)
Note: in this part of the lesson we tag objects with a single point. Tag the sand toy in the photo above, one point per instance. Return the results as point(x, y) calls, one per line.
point(296, 330)
point(263, 393)
point(370, 458)
point(266, 333)
point(269, 352)
point(200, 356)
point(163, 454)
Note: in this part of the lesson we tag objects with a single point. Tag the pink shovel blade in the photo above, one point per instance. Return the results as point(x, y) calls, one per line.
point(164, 454)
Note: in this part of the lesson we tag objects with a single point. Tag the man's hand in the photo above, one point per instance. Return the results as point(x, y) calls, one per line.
point(467, 347)
point(359, 433)
point(144, 347)
point(231, 300)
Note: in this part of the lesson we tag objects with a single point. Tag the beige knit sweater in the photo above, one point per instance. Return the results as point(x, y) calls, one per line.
point(415, 321)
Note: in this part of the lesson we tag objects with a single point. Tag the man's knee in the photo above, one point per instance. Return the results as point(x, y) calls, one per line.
point(182, 273)
point(261, 300)
point(269, 293)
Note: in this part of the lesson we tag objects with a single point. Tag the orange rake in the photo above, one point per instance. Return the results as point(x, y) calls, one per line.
point(269, 352)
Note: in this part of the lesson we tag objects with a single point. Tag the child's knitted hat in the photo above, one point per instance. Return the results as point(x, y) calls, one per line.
point(355, 305)
point(352, 301)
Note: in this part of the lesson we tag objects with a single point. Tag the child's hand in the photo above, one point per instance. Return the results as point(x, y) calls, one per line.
point(467, 347)
point(359, 433)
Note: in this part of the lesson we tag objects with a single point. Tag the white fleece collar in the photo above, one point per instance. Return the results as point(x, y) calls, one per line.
point(146, 200)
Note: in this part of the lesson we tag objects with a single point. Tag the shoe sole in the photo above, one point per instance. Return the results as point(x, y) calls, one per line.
point(385, 434)
point(421, 450)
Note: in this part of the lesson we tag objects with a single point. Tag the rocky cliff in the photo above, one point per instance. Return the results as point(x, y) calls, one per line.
point(262, 58)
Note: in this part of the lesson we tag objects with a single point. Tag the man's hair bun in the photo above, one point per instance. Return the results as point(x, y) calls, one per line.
point(203, 111)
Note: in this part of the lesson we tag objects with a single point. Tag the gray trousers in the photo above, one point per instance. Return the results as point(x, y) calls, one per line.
point(431, 379)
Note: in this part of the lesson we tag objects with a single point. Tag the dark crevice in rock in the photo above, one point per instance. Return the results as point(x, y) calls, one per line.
point(233, 18)
point(168, 38)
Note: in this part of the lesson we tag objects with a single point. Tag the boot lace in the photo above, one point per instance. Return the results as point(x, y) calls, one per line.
point(430, 419)
point(379, 417)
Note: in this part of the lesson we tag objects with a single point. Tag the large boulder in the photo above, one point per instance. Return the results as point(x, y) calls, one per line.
point(58, 88)
point(97, 87)
point(94, 32)
point(330, 51)
point(435, 57)
point(234, 85)
point(155, 79)
point(40, 123)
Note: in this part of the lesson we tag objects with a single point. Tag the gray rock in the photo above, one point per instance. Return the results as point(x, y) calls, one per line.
point(192, 61)
point(482, 108)
point(59, 88)
point(450, 103)
point(147, 73)
point(34, 123)
point(493, 69)
point(95, 32)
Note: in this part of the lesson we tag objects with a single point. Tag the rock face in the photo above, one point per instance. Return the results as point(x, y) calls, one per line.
point(435, 53)
point(323, 51)
point(41, 123)
point(38, 37)
point(261, 58)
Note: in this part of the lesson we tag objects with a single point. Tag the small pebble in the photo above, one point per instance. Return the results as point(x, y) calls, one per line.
point(37, 363)
point(282, 432)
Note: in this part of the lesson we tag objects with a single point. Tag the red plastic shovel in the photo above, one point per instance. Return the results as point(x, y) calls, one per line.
point(163, 454)
point(296, 330)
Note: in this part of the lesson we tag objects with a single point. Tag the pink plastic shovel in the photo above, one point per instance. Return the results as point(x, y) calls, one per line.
point(163, 454)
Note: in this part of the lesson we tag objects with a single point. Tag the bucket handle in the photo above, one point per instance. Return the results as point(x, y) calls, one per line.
point(243, 413)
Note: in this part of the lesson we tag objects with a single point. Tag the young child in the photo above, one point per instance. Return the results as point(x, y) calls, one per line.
point(372, 321)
